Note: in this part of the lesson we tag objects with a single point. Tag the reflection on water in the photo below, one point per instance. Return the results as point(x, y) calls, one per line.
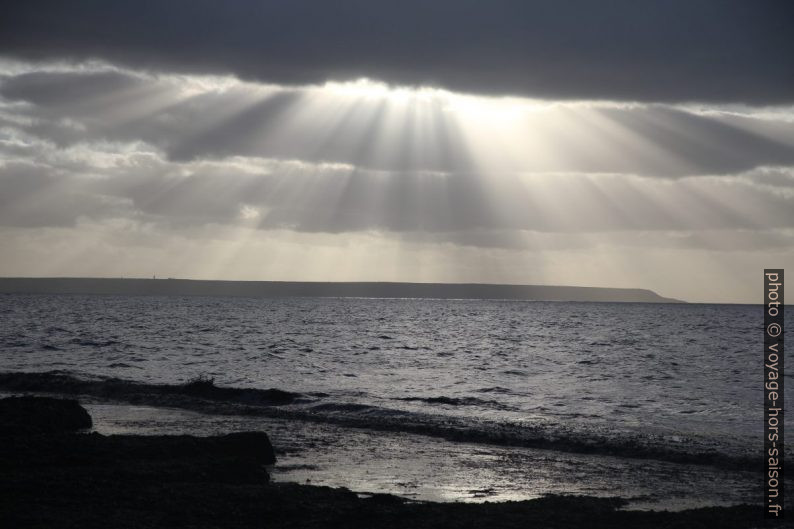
point(429, 469)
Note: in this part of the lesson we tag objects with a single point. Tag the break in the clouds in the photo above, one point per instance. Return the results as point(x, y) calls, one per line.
point(726, 51)
point(99, 143)
point(625, 144)
point(368, 126)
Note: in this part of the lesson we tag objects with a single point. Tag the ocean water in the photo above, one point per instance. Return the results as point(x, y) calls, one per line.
point(635, 381)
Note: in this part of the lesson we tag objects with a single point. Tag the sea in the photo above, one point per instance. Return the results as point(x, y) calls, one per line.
point(441, 400)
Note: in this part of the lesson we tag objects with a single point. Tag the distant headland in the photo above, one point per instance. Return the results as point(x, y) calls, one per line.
point(271, 289)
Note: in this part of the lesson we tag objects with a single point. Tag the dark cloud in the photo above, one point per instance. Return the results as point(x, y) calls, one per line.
point(58, 90)
point(695, 50)
point(702, 144)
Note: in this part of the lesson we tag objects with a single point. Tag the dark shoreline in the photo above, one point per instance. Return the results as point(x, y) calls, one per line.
point(270, 289)
point(66, 478)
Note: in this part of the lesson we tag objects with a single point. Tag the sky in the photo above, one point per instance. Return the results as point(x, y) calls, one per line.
point(617, 144)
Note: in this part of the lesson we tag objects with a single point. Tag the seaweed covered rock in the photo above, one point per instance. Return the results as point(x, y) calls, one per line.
point(204, 387)
point(28, 415)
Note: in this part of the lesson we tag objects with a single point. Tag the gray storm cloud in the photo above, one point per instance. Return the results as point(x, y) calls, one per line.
point(724, 51)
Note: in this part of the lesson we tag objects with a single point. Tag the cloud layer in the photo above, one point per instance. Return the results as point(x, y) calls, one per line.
point(103, 142)
point(370, 127)
point(106, 170)
point(628, 50)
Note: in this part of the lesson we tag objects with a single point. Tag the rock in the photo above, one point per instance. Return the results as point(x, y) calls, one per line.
point(253, 445)
point(28, 415)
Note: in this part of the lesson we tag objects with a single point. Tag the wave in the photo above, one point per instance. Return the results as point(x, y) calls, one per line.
point(122, 365)
point(157, 394)
point(496, 389)
point(458, 401)
point(93, 343)
point(203, 396)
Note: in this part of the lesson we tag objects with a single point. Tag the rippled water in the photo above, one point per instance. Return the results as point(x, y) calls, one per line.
point(678, 373)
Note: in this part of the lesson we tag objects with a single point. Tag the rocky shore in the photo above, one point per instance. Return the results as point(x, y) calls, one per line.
point(55, 473)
